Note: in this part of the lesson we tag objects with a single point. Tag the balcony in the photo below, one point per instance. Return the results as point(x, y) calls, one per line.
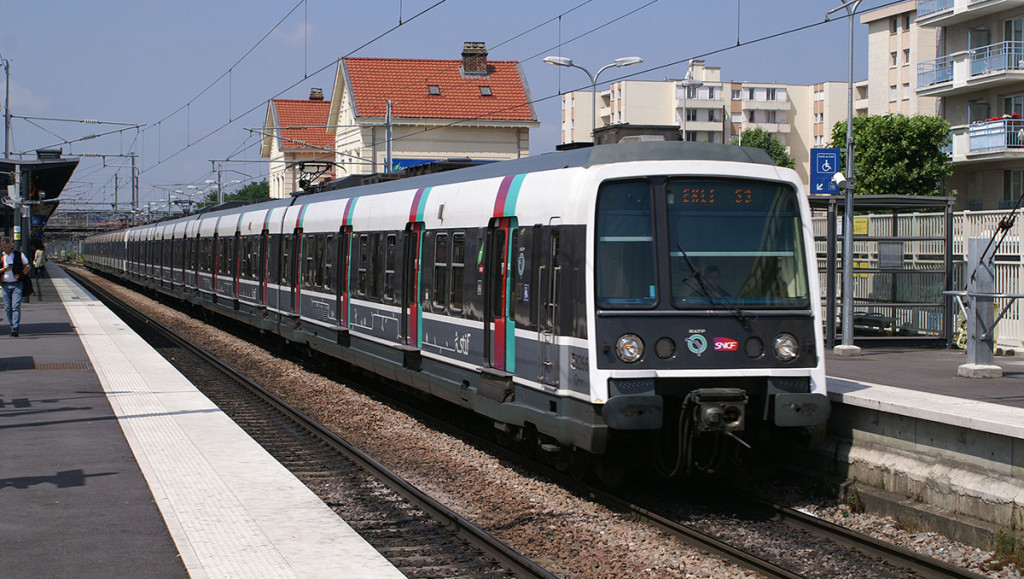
point(929, 7)
point(972, 70)
point(996, 136)
point(950, 12)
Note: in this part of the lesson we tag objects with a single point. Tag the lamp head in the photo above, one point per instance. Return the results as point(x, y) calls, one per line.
point(628, 60)
point(558, 60)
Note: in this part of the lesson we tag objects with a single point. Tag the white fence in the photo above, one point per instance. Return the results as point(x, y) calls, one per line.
point(925, 256)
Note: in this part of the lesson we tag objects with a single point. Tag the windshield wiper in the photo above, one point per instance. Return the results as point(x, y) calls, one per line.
point(713, 294)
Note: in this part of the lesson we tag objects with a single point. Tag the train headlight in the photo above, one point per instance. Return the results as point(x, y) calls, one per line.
point(787, 348)
point(629, 348)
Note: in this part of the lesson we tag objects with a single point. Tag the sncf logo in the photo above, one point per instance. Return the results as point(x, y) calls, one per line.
point(726, 345)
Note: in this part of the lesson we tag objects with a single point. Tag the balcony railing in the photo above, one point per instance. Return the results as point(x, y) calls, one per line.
point(935, 71)
point(997, 57)
point(995, 135)
point(926, 7)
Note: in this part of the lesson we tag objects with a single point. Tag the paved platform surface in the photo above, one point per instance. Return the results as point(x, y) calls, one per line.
point(113, 465)
point(923, 383)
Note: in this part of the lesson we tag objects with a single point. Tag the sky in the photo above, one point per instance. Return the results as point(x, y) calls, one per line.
point(181, 83)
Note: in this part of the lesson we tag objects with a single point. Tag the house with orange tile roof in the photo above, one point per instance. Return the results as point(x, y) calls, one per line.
point(439, 109)
point(297, 143)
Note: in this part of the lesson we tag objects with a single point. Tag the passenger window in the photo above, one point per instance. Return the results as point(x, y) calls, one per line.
point(328, 272)
point(440, 269)
point(458, 269)
point(389, 267)
point(364, 263)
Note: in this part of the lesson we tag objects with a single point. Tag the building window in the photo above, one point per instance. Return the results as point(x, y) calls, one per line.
point(1013, 183)
point(893, 59)
point(691, 114)
point(894, 25)
point(906, 22)
point(752, 117)
point(892, 93)
point(906, 57)
point(691, 136)
point(486, 91)
point(737, 94)
point(906, 91)
point(433, 89)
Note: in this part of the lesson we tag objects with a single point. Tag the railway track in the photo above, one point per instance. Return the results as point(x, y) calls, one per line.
point(861, 549)
point(419, 535)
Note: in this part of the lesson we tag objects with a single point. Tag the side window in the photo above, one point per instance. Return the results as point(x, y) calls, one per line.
point(364, 264)
point(309, 262)
point(327, 277)
point(286, 262)
point(376, 266)
point(389, 267)
point(458, 269)
point(440, 270)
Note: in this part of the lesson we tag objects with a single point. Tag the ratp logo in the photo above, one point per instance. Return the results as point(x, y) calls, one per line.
point(697, 344)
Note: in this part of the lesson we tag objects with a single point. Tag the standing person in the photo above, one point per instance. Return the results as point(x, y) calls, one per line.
point(39, 261)
point(15, 265)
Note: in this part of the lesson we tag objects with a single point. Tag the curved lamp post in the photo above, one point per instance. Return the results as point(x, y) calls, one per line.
point(619, 62)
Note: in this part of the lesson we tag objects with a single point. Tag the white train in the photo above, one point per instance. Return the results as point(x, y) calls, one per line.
point(651, 304)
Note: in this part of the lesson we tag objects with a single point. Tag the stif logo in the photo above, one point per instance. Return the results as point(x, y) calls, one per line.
point(726, 345)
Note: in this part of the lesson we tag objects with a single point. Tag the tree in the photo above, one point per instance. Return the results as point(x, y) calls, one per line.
point(762, 139)
point(252, 192)
point(897, 155)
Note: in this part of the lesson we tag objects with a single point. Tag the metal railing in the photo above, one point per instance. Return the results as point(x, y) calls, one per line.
point(922, 256)
point(991, 135)
point(935, 71)
point(926, 7)
point(1000, 57)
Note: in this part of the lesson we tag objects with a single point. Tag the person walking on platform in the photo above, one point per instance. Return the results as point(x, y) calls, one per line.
point(15, 265)
point(39, 261)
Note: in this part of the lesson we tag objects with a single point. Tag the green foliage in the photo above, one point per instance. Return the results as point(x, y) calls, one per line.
point(252, 192)
point(762, 139)
point(897, 155)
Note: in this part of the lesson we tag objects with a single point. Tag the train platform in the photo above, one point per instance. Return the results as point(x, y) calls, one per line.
point(923, 383)
point(112, 464)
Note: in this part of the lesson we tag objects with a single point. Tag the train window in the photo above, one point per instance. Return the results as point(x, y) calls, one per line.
point(440, 269)
point(223, 256)
point(376, 269)
point(624, 267)
point(389, 267)
point(458, 271)
point(286, 262)
point(309, 262)
point(746, 250)
point(364, 264)
point(327, 275)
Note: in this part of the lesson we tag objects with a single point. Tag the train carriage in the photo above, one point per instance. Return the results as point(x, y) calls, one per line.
point(644, 301)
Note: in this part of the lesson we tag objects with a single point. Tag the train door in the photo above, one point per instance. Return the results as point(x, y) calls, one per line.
point(499, 335)
point(549, 280)
point(411, 285)
point(236, 262)
point(344, 244)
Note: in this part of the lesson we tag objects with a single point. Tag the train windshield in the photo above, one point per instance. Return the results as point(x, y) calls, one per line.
point(731, 244)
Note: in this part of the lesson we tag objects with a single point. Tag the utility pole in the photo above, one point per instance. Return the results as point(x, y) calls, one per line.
point(7, 108)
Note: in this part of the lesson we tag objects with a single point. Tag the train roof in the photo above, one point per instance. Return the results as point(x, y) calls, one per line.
point(584, 157)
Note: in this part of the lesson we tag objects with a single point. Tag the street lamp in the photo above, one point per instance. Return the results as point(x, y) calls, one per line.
point(619, 62)
point(848, 348)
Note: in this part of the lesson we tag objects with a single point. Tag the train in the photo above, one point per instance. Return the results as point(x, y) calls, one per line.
point(642, 305)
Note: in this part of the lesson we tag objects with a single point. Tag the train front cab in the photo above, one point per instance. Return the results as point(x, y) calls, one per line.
point(706, 328)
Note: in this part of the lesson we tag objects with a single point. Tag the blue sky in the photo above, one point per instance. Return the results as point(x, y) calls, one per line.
point(197, 76)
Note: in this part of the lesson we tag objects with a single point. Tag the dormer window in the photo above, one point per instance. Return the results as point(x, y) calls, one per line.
point(486, 91)
point(433, 89)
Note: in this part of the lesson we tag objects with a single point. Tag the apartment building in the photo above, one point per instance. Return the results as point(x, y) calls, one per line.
point(978, 75)
point(896, 44)
point(708, 109)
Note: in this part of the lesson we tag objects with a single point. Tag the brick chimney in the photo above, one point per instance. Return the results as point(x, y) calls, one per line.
point(316, 94)
point(474, 58)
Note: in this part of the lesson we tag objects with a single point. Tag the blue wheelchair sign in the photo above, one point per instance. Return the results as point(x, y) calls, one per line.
point(824, 164)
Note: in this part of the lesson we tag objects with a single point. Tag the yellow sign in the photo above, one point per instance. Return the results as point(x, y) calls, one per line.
point(860, 225)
